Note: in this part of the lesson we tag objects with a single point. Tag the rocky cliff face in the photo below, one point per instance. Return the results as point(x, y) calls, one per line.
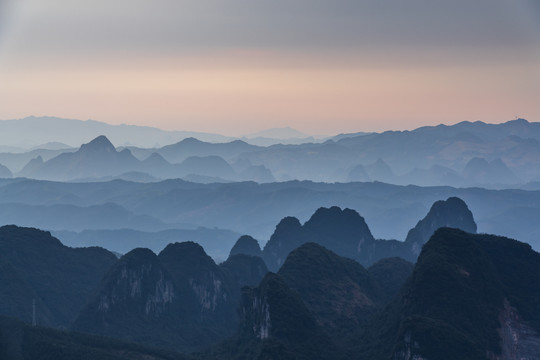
point(452, 213)
point(178, 300)
point(469, 297)
point(519, 341)
point(275, 323)
point(343, 231)
point(139, 281)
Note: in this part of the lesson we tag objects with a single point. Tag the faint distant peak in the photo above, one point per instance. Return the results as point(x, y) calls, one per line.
point(278, 133)
point(191, 140)
point(518, 121)
point(101, 143)
point(52, 145)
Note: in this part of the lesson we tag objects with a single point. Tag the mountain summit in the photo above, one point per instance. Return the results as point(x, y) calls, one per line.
point(452, 213)
point(100, 143)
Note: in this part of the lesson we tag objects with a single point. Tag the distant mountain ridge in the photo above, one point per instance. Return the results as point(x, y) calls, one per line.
point(465, 154)
point(99, 158)
point(33, 131)
point(346, 233)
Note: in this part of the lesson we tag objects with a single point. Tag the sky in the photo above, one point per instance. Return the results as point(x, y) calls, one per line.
point(239, 66)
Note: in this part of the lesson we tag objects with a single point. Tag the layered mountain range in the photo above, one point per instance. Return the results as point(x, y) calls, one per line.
point(346, 233)
point(337, 294)
point(464, 154)
point(121, 215)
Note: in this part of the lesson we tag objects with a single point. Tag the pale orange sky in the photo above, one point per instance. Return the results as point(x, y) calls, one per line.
point(230, 86)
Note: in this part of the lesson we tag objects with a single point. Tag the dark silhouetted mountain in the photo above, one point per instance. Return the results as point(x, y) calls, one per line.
point(5, 172)
point(287, 237)
point(346, 233)
point(338, 291)
point(275, 324)
point(343, 231)
point(450, 213)
point(390, 274)
point(135, 300)
point(21, 341)
point(245, 270)
point(216, 242)
point(312, 308)
point(214, 293)
point(255, 209)
point(246, 245)
point(178, 300)
point(36, 266)
point(470, 297)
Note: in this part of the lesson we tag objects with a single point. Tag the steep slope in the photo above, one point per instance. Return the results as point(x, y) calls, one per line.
point(287, 236)
point(244, 270)
point(246, 245)
point(346, 233)
point(390, 274)
point(19, 341)
point(339, 292)
point(342, 231)
point(452, 213)
point(5, 172)
point(275, 324)
point(470, 297)
point(178, 300)
point(37, 267)
point(96, 159)
point(138, 301)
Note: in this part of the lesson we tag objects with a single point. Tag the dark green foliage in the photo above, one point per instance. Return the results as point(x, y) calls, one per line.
point(450, 307)
point(36, 266)
point(244, 270)
point(246, 245)
point(338, 291)
point(22, 342)
point(452, 213)
point(346, 233)
point(275, 325)
point(178, 300)
point(390, 274)
point(287, 236)
point(343, 231)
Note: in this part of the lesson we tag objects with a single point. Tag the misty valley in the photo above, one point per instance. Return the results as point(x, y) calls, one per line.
point(406, 245)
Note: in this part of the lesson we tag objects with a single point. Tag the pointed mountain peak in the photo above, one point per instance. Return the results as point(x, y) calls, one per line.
point(452, 213)
point(155, 158)
point(101, 143)
point(190, 140)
